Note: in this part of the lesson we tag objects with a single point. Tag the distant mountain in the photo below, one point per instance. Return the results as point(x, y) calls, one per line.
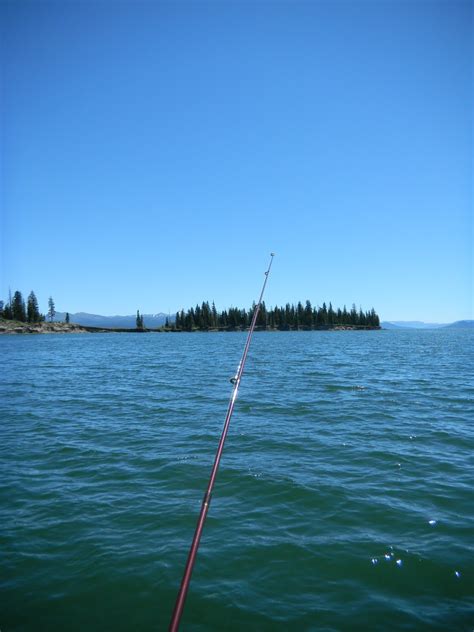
point(410, 324)
point(461, 324)
point(126, 322)
point(387, 325)
point(417, 324)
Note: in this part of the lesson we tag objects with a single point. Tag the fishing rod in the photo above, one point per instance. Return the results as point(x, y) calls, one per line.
point(181, 598)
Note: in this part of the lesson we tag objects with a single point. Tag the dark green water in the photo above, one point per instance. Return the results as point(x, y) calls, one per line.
point(344, 499)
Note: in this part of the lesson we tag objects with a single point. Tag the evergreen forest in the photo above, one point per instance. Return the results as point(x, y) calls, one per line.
point(291, 317)
point(17, 309)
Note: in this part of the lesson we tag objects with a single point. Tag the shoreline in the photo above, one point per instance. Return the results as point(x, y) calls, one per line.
point(17, 328)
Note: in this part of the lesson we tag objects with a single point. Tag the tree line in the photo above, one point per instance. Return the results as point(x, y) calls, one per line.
point(205, 316)
point(16, 309)
point(291, 317)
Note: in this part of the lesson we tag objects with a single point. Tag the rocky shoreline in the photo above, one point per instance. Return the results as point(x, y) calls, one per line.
point(16, 327)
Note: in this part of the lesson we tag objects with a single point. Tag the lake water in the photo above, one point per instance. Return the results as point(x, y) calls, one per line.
point(344, 499)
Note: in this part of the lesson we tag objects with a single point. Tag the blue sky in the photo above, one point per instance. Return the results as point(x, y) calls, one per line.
point(154, 153)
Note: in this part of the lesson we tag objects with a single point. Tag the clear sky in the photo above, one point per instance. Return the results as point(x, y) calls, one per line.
point(154, 153)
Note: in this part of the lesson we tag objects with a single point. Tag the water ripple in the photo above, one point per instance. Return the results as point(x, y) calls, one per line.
point(344, 499)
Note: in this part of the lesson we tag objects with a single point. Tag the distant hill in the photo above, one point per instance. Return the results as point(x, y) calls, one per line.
point(410, 324)
point(417, 324)
point(387, 325)
point(461, 324)
point(125, 322)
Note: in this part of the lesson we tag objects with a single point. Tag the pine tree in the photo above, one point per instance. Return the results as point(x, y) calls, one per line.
point(206, 316)
point(33, 314)
point(7, 312)
point(353, 315)
point(282, 324)
point(139, 321)
point(222, 319)
point(300, 314)
point(18, 307)
point(262, 316)
point(345, 316)
point(324, 314)
point(213, 315)
point(233, 318)
point(51, 309)
point(271, 319)
point(189, 320)
point(331, 314)
point(198, 317)
point(308, 315)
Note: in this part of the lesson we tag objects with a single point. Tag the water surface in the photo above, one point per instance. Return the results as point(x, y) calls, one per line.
point(344, 499)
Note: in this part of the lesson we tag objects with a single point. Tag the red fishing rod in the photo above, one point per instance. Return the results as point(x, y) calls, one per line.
point(179, 605)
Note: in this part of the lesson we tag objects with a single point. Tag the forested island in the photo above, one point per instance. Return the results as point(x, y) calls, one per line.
point(205, 317)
